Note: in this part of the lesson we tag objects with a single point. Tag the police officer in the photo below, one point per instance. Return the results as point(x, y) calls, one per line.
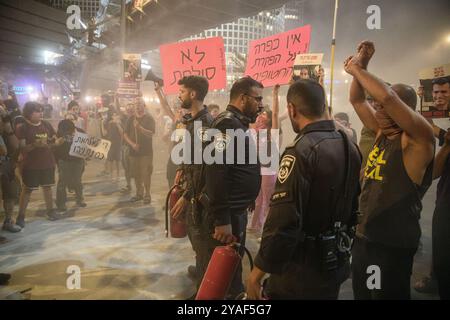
point(232, 186)
point(193, 90)
point(306, 238)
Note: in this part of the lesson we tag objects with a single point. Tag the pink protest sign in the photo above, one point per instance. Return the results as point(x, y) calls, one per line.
point(204, 57)
point(271, 59)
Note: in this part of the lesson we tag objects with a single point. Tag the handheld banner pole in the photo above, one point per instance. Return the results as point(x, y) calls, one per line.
point(333, 45)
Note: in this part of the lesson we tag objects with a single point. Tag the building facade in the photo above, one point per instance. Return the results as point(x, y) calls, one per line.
point(88, 8)
point(237, 36)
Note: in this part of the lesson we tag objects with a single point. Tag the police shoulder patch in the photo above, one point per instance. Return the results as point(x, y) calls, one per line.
point(286, 167)
point(279, 195)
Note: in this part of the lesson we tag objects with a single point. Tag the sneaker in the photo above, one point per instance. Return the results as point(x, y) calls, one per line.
point(147, 199)
point(61, 209)
point(20, 222)
point(426, 285)
point(81, 204)
point(52, 216)
point(136, 199)
point(125, 190)
point(9, 226)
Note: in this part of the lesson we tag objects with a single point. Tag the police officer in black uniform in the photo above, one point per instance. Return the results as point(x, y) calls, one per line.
point(234, 185)
point(193, 90)
point(307, 235)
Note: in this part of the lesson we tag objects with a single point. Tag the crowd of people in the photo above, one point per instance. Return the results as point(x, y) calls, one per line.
point(333, 207)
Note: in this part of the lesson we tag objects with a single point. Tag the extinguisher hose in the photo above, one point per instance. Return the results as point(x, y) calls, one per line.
point(249, 255)
point(167, 209)
point(250, 259)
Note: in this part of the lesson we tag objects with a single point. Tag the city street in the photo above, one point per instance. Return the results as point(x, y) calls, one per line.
point(121, 248)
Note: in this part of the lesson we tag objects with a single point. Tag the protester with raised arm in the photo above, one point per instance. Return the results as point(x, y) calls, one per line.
point(397, 175)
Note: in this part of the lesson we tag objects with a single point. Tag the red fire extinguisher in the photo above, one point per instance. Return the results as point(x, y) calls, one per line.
point(177, 227)
point(220, 272)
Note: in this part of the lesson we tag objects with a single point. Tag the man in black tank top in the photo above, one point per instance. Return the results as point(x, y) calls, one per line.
point(397, 174)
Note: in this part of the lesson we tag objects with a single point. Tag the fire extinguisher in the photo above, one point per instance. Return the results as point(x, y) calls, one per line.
point(177, 227)
point(220, 272)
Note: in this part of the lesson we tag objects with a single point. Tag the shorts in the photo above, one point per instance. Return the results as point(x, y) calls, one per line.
point(141, 166)
point(33, 179)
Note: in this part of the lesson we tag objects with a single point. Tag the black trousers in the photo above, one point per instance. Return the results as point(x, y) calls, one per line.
point(70, 173)
point(194, 234)
point(395, 265)
point(208, 244)
point(441, 249)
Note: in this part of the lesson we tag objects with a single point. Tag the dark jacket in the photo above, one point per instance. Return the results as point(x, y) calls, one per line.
point(232, 186)
point(308, 191)
point(196, 127)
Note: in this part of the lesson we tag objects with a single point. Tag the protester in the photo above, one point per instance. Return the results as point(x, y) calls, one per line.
point(48, 108)
point(125, 154)
point(441, 220)
point(70, 168)
point(313, 208)
point(213, 110)
point(193, 90)
point(344, 121)
point(73, 114)
point(9, 146)
point(267, 120)
point(177, 122)
point(36, 137)
point(397, 175)
point(113, 134)
point(232, 188)
point(138, 134)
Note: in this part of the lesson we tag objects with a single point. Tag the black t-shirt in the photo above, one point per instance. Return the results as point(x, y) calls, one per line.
point(145, 142)
point(61, 152)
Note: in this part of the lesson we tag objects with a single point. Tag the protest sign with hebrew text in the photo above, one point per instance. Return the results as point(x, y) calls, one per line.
point(205, 57)
point(271, 59)
point(89, 147)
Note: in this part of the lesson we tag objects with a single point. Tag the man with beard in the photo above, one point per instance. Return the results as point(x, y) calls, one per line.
point(313, 207)
point(193, 90)
point(397, 175)
point(232, 187)
point(138, 134)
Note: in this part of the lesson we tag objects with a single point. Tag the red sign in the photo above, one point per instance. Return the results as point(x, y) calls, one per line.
point(204, 57)
point(271, 60)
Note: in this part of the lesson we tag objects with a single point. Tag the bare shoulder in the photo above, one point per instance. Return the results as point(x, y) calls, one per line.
point(417, 156)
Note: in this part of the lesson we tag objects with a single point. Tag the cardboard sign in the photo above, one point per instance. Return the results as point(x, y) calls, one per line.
point(427, 105)
point(271, 59)
point(204, 57)
point(128, 89)
point(89, 147)
point(132, 67)
point(307, 65)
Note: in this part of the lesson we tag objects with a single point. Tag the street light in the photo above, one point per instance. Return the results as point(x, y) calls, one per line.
point(448, 38)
